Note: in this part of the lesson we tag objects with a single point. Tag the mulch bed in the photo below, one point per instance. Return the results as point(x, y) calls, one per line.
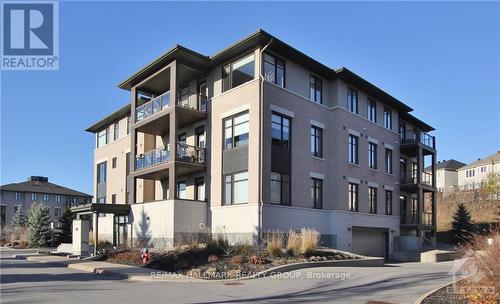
point(445, 295)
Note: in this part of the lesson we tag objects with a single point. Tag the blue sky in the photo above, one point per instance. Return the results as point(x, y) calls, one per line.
point(442, 59)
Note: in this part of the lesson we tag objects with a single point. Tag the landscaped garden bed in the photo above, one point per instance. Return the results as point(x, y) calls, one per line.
point(217, 259)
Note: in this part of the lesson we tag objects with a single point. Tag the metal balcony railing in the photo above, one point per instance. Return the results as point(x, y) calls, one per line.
point(190, 154)
point(411, 218)
point(410, 178)
point(416, 136)
point(151, 158)
point(427, 218)
point(152, 107)
point(192, 100)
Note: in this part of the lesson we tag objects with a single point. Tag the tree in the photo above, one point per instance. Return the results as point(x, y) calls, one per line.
point(492, 184)
point(38, 226)
point(19, 219)
point(64, 235)
point(461, 226)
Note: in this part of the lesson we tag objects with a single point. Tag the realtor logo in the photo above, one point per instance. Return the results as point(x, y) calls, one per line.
point(30, 35)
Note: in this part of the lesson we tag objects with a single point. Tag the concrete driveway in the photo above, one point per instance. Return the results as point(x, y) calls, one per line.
point(30, 282)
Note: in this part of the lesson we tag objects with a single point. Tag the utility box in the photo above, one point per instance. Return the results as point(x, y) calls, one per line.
point(81, 237)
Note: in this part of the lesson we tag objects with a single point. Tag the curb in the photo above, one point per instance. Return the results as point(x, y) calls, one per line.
point(422, 297)
point(368, 262)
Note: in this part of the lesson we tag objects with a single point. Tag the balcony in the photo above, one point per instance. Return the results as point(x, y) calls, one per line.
point(151, 158)
point(410, 183)
point(152, 107)
point(192, 100)
point(418, 137)
point(190, 154)
point(411, 218)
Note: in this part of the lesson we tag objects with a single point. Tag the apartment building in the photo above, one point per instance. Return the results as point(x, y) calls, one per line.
point(261, 137)
point(446, 175)
point(473, 175)
point(38, 189)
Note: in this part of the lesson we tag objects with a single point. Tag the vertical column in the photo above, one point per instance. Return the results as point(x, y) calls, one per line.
point(96, 231)
point(172, 136)
point(419, 164)
point(133, 145)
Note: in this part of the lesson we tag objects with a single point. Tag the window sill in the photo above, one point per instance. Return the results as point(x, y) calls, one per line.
point(352, 164)
point(389, 174)
point(374, 170)
point(318, 158)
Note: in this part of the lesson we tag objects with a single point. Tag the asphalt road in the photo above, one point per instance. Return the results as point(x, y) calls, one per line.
point(30, 282)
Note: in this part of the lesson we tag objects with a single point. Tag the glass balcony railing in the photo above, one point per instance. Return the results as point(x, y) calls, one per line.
point(152, 107)
point(427, 218)
point(415, 136)
point(151, 158)
point(411, 178)
point(192, 100)
point(190, 154)
point(411, 218)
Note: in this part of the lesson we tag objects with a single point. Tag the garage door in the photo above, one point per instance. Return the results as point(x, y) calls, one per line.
point(368, 241)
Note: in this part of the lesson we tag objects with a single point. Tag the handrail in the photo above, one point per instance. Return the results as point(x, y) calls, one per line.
point(190, 154)
point(185, 153)
point(192, 100)
point(151, 158)
point(416, 136)
point(152, 107)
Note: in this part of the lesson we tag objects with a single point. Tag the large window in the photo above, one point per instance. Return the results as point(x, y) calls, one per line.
point(102, 138)
point(34, 196)
point(58, 198)
point(57, 212)
point(353, 197)
point(316, 89)
point(388, 161)
point(316, 141)
point(116, 131)
point(372, 155)
point(353, 149)
point(101, 172)
point(181, 190)
point(236, 131)
point(280, 188)
point(199, 186)
point(388, 202)
point(238, 72)
point(372, 199)
point(388, 118)
point(236, 188)
point(352, 100)
point(280, 130)
point(18, 196)
point(317, 192)
point(274, 70)
point(372, 110)
point(46, 197)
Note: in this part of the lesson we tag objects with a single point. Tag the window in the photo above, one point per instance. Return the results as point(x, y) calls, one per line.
point(372, 156)
point(280, 130)
point(3, 217)
point(238, 72)
point(274, 70)
point(352, 100)
point(116, 131)
point(236, 131)
point(388, 161)
point(129, 122)
point(353, 197)
point(236, 188)
point(100, 200)
point(34, 196)
point(74, 200)
point(388, 118)
point(280, 188)
point(316, 141)
point(200, 137)
point(113, 198)
point(317, 192)
point(58, 198)
point(113, 162)
point(181, 190)
point(101, 172)
point(46, 197)
point(388, 202)
point(316, 89)
point(57, 211)
point(372, 110)
point(372, 199)
point(17, 208)
point(353, 149)
point(402, 131)
point(18, 196)
point(199, 186)
point(102, 138)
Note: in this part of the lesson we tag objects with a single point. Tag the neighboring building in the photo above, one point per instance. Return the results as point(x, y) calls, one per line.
point(261, 137)
point(38, 189)
point(473, 175)
point(446, 175)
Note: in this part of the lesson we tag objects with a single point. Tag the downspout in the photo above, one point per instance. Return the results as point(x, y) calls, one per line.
point(261, 135)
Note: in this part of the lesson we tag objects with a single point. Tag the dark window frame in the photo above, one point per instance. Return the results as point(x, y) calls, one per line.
point(280, 141)
point(316, 137)
point(372, 110)
point(316, 85)
point(352, 100)
point(388, 202)
point(353, 149)
point(114, 162)
point(99, 173)
point(233, 125)
point(276, 67)
point(178, 189)
point(197, 183)
point(232, 183)
point(372, 155)
point(113, 198)
point(388, 118)
point(317, 192)
point(372, 199)
point(231, 70)
point(116, 130)
point(353, 195)
point(389, 161)
point(282, 182)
